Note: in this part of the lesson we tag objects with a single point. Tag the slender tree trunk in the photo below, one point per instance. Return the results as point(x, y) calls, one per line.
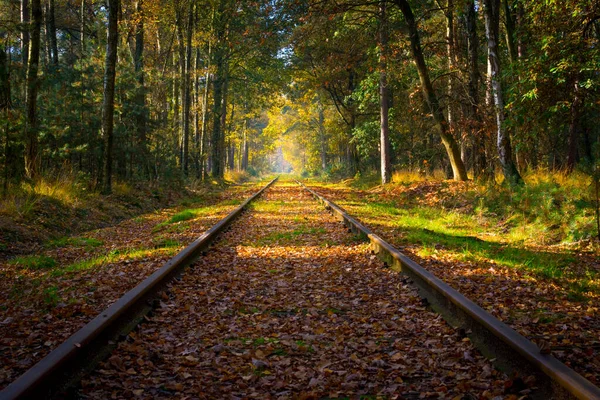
point(384, 96)
point(196, 98)
point(451, 65)
point(492, 20)
point(5, 106)
point(175, 101)
point(322, 135)
point(510, 32)
point(521, 48)
point(82, 28)
point(52, 34)
point(480, 167)
point(140, 94)
point(244, 155)
point(32, 161)
point(217, 132)
point(219, 95)
point(204, 126)
point(108, 100)
point(576, 105)
point(25, 33)
point(224, 102)
point(452, 148)
point(186, 90)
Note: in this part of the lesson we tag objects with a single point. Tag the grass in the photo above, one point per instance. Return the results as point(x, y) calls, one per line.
point(472, 222)
point(181, 216)
point(66, 188)
point(193, 213)
point(51, 297)
point(114, 256)
point(34, 263)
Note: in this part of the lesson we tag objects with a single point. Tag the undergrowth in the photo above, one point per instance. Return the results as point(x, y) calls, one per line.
point(534, 227)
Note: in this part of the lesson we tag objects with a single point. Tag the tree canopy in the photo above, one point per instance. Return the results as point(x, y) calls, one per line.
point(475, 88)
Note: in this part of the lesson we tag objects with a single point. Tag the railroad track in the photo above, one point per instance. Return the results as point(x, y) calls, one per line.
point(287, 304)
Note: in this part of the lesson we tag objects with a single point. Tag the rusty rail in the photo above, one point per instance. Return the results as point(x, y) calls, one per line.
point(496, 340)
point(58, 372)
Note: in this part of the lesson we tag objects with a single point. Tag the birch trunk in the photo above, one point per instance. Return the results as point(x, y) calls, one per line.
point(492, 21)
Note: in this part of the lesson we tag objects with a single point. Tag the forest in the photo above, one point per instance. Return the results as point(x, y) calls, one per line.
point(166, 168)
point(153, 90)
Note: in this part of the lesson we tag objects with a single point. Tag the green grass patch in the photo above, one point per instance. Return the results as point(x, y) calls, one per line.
point(187, 215)
point(51, 297)
point(112, 257)
point(182, 216)
point(162, 242)
point(34, 263)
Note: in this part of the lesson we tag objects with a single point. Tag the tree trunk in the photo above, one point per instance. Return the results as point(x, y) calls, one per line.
point(203, 131)
point(32, 161)
point(574, 125)
point(5, 106)
point(82, 28)
point(510, 32)
point(480, 164)
point(25, 33)
point(217, 131)
point(450, 53)
point(186, 67)
point(492, 20)
point(140, 94)
point(219, 95)
point(196, 101)
point(108, 100)
point(244, 154)
point(322, 135)
point(52, 34)
point(452, 148)
point(384, 96)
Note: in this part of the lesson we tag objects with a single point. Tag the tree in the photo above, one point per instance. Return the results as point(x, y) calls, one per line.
point(384, 97)
point(492, 20)
point(452, 149)
point(140, 94)
point(32, 161)
point(108, 100)
point(5, 106)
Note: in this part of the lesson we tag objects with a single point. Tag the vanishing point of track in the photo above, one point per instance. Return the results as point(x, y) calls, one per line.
point(288, 304)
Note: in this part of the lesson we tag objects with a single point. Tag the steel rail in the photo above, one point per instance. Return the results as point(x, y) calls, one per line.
point(496, 340)
point(60, 370)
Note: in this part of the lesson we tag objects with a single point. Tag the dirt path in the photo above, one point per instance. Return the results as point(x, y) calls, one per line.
point(288, 304)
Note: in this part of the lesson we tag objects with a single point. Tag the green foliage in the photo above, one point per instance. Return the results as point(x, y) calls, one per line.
point(51, 297)
point(34, 262)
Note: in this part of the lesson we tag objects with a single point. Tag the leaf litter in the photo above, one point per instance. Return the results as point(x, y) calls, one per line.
point(288, 304)
point(539, 309)
point(41, 308)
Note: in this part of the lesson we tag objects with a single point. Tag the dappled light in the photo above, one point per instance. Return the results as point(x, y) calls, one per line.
point(156, 160)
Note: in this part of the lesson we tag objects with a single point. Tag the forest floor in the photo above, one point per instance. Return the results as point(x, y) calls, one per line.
point(548, 292)
point(294, 306)
point(56, 286)
point(284, 270)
